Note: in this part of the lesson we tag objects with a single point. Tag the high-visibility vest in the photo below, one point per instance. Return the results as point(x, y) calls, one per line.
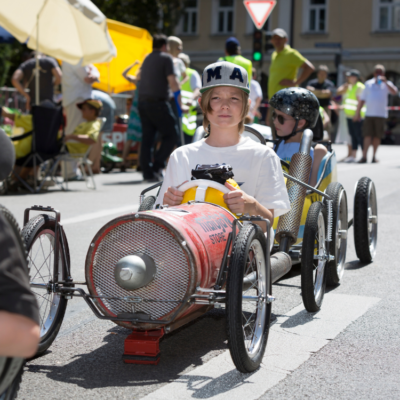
point(189, 120)
point(351, 102)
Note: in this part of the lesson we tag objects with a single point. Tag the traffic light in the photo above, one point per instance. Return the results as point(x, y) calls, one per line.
point(257, 45)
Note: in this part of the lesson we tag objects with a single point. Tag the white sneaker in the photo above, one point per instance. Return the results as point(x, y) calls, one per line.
point(350, 159)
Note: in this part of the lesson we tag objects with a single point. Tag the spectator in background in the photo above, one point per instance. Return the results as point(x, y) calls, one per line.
point(190, 92)
point(375, 97)
point(351, 92)
point(50, 76)
point(232, 54)
point(134, 131)
point(157, 76)
point(76, 87)
point(108, 112)
point(322, 87)
point(285, 63)
point(256, 96)
point(175, 47)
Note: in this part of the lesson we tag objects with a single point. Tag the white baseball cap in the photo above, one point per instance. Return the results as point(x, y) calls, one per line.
point(225, 73)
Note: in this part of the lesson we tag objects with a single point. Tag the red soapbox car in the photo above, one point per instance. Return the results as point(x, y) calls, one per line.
point(155, 270)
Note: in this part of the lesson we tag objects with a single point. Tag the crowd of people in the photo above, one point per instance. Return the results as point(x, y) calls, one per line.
point(164, 106)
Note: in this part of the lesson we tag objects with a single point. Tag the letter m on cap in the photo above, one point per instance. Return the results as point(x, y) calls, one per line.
point(214, 73)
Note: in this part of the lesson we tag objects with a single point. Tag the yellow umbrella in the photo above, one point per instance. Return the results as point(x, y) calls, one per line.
point(132, 44)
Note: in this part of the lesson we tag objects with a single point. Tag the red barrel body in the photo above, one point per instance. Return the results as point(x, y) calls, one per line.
point(187, 244)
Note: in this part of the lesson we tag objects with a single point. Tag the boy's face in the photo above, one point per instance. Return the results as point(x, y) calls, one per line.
point(227, 106)
point(88, 112)
point(288, 123)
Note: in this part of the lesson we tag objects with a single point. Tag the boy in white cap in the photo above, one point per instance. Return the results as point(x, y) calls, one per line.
point(225, 104)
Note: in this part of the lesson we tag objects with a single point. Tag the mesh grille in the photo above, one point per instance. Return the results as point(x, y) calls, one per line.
point(172, 277)
point(289, 223)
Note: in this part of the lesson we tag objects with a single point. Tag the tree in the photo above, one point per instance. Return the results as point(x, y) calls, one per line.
point(157, 16)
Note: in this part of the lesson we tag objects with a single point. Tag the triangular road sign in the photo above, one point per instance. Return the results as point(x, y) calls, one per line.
point(259, 10)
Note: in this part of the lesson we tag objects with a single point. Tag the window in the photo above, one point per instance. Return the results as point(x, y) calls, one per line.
point(223, 16)
point(389, 15)
point(317, 16)
point(189, 18)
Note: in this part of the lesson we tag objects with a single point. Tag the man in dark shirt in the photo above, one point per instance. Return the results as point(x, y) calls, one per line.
point(157, 74)
point(322, 87)
point(49, 69)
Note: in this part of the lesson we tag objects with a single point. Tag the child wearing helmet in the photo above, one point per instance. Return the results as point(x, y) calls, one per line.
point(296, 109)
point(225, 102)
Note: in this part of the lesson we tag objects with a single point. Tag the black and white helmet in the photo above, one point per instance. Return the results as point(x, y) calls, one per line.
point(297, 102)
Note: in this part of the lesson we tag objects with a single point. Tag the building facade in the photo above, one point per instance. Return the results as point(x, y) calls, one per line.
point(362, 32)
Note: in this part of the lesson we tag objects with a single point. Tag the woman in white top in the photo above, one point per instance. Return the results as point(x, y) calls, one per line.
point(225, 103)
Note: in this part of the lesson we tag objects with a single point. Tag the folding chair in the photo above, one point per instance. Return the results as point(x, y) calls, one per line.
point(82, 160)
point(47, 120)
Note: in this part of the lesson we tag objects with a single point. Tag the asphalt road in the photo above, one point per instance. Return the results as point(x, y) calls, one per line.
point(350, 349)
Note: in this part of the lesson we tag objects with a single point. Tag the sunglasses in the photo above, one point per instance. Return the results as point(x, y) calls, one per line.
point(281, 120)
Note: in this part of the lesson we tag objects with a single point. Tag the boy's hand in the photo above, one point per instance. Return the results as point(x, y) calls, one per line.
point(173, 196)
point(238, 201)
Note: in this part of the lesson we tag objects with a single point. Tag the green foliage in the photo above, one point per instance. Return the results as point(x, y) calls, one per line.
point(10, 58)
point(154, 15)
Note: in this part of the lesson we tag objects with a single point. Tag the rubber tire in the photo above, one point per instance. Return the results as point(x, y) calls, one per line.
point(334, 189)
point(307, 258)
point(361, 242)
point(234, 294)
point(148, 203)
point(107, 167)
point(29, 233)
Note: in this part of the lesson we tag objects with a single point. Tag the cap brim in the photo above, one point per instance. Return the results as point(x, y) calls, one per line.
point(202, 90)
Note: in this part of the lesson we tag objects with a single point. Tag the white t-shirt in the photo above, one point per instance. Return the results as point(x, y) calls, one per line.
point(254, 164)
point(73, 83)
point(376, 98)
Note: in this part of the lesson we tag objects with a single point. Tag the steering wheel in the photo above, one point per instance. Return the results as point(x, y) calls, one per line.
point(202, 186)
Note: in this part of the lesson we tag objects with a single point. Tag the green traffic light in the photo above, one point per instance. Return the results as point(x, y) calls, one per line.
point(257, 56)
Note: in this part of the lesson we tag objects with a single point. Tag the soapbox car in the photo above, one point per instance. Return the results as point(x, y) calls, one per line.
point(154, 270)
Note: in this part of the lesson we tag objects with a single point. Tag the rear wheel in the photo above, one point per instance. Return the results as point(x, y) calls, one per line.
point(365, 220)
point(313, 261)
point(248, 312)
point(39, 237)
point(338, 245)
point(147, 204)
point(107, 166)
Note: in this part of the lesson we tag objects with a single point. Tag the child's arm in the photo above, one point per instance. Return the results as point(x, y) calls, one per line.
point(85, 139)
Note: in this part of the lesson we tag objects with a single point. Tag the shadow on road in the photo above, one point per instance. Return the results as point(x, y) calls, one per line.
point(355, 264)
point(104, 367)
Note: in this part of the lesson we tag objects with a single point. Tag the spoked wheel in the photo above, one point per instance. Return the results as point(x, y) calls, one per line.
point(338, 245)
point(247, 306)
point(365, 220)
point(313, 258)
point(39, 237)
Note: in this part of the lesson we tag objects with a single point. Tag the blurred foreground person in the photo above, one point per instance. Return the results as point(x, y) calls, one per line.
point(375, 97)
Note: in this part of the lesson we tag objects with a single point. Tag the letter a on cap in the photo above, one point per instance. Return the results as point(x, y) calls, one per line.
point(236, 74)
point(214, 73)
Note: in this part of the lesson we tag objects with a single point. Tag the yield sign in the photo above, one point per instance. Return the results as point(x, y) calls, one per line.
point(259, 10)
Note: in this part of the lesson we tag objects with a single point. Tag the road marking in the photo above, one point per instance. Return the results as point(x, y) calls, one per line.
point(99, 214)
point(292, 341)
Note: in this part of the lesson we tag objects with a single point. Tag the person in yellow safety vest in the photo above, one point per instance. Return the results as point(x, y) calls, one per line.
point(190, 91)
point(232, 54)
point(351, 92)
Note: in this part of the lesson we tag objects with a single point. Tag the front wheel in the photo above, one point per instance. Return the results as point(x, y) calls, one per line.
point(365, 220)
point(248, 311)
point(313, 258)
point(39, 237)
